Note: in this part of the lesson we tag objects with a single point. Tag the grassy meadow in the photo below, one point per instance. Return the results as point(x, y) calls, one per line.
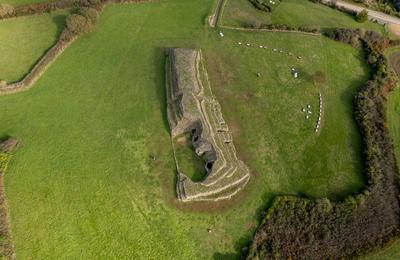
point(83, 183)
point(25, 40)
point(292, 12)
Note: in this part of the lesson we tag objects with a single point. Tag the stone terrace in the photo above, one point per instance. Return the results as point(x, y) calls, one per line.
point(193, 108)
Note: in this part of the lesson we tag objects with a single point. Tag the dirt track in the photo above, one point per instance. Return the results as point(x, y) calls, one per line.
point(213, 20)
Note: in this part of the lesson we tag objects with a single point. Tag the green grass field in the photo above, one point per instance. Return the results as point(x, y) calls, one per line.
point(292, 12)
point(25, 40)
point(83, 185)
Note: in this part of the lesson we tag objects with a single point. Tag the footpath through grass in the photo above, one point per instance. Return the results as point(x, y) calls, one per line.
point(294, 13)
point(25, 40)
point(83, 185)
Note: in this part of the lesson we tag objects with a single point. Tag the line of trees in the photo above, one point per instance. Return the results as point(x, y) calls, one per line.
point(303, 228)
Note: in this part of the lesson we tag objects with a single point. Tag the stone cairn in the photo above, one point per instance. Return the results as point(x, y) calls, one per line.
point(192, 108)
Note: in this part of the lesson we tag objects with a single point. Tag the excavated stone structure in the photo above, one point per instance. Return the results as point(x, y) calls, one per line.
point(193, 108)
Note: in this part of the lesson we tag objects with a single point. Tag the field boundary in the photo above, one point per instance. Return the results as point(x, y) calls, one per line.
point(6, 246)
point(40, 67)
point(46, 7)
point(268, 30)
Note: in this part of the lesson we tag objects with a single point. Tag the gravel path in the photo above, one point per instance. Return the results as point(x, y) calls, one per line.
point(375, 15)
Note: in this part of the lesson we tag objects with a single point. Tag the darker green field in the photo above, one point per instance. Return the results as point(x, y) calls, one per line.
point(83, 183)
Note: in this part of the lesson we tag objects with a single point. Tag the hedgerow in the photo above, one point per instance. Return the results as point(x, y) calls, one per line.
point(80, 23)
point(306, 228)
point(283, 27)
point(265, 5)
point(7, 11)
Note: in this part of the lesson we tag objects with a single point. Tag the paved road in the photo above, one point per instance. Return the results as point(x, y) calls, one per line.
point(375, 15)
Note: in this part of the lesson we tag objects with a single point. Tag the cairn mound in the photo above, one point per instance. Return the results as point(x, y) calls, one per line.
point(192, 108)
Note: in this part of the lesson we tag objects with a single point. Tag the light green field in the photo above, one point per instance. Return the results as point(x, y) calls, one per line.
point(82, 185)
point(291, 12)
point(25, 40)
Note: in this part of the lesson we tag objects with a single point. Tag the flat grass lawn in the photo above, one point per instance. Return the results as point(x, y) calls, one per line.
point(292, 12)
point(83, 185)
point(25, 40)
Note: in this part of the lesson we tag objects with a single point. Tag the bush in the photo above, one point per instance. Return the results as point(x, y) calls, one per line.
point(264, 5)
point(362, 16)
point(80, 23)
point(396, 4)
point(6, 10)
point(91, 13)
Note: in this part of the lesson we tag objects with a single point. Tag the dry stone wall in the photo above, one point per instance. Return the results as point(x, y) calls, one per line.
point(40, 67)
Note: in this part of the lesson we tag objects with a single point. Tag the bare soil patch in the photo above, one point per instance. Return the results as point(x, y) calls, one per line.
point(395, 29)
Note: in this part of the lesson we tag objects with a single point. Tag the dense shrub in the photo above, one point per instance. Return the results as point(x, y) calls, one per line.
point(283, 27)
point(91, 13)
point(264, 5)
point(44, 7)
point(396, 4)
point(80, 23)
point(362, 16)
point(301, 228)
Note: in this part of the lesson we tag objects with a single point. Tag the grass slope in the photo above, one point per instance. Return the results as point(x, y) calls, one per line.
point(292, 12)
point(25, 40)
point(82, 184)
